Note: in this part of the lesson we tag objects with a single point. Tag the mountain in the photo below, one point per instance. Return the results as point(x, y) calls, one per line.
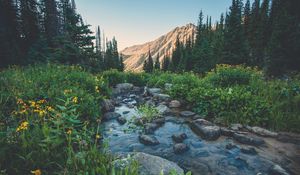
point(135, 56)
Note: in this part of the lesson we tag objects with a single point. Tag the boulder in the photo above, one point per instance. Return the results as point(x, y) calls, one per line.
point(187, 114)
point(163, 109)
point(242, 138)
point(149, 128)
point(263, 132)
point(180, 148)
point(121, 120)
point(227, 132)
point(249, 150)
point(110, 116)
point(206, 129)
point(162, 97)
point(230, 146)
point(154, 165)
point(159, 121)
point(179, 138)
point(148, 140)
point(174, 104)
point(108, 105)
point(236, 127)
point(123, 87)
point(210, 132)
point(150, 103)
point(125, 112)
point(277, 170)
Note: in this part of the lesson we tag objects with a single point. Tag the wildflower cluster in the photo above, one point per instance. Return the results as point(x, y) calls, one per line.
point(23, 126)
point(30, 107)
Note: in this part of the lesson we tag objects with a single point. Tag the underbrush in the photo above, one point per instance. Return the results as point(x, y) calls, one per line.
point(233, 94)
point(49, 122)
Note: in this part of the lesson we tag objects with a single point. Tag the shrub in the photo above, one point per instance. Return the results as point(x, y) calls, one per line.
point(114, 77)
point(231, 105)
point(147, 113)
point(226, 75)
point(51, 82)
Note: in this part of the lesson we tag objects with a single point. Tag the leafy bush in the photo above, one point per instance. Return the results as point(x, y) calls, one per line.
point(148, 113)
point(49, 122)
point(231, 105)
point(226, 75)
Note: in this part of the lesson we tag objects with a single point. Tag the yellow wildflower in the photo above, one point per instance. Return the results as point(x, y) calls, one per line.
point(36, 172)
point(32, 103)
point(98, 136)
point(23, 126)
point(97, 89)
point(49, 108)
point(41, 101)
point(69, 132)
point(75, 100)
point(42, 113)
point(67, 91)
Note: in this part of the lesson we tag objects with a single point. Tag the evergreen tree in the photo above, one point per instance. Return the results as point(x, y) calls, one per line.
point(51, 21)
point(235, 46)
point(121, 64)
point(157, 63)
point(166, 63)
point(98, 40)
point(9, 34)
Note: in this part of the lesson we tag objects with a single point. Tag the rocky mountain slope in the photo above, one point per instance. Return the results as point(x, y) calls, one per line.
point(135, 56)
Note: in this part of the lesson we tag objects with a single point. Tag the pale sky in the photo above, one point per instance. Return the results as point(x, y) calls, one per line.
point(138, 21)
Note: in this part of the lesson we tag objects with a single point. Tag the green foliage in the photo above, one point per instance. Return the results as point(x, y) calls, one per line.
point(114, 77)
point(49, 122)
point(148, 113)
point(226, 75)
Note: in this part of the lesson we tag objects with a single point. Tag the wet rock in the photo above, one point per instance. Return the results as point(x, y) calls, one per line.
point(180, 148)
point(132, 96)
point(154, 165)
point(121, 120)
point(153, 91)
point(249, 150)
point(127, 100)
point(263, 132)
point(138, 121)
point(108, 105)
point(136, 89)
point(210, 132)
point(198, 117)
point(162, 97)
point(289, 137)
point(277, 170)
point(148, 140)
point(205, 129)
point(230, 146)
point(174, 104)
point(179, 138)
point(248, 139)
point(236, 127)
point(203, 122)
point(187, 114)
point(227, 132)
point(110, 116)
point(163, 109)
point(130, 105)
point(125, 112)
point(123, 87)
point(159, 121)
point(149, 128)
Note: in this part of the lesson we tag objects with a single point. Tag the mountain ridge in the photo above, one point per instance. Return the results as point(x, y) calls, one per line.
point(134, 56)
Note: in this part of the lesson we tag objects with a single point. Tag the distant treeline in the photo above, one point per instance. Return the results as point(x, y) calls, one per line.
point(265, 34)
point(33, 31)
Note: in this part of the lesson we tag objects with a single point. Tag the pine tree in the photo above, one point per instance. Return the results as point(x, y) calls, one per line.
point(166, 63)
point(157, 63)
point(9, 34)
point(51, 22)
point(98, 40)
point(29, 23)
point(235, 46)
point(121, 64)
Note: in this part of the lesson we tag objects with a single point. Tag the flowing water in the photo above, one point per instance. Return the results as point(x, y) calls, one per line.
point(203, 157)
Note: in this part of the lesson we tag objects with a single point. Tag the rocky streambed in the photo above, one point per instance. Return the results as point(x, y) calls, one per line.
point(183, 140)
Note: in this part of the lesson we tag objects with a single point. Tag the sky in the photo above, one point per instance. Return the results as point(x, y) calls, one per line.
point(138, 21)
